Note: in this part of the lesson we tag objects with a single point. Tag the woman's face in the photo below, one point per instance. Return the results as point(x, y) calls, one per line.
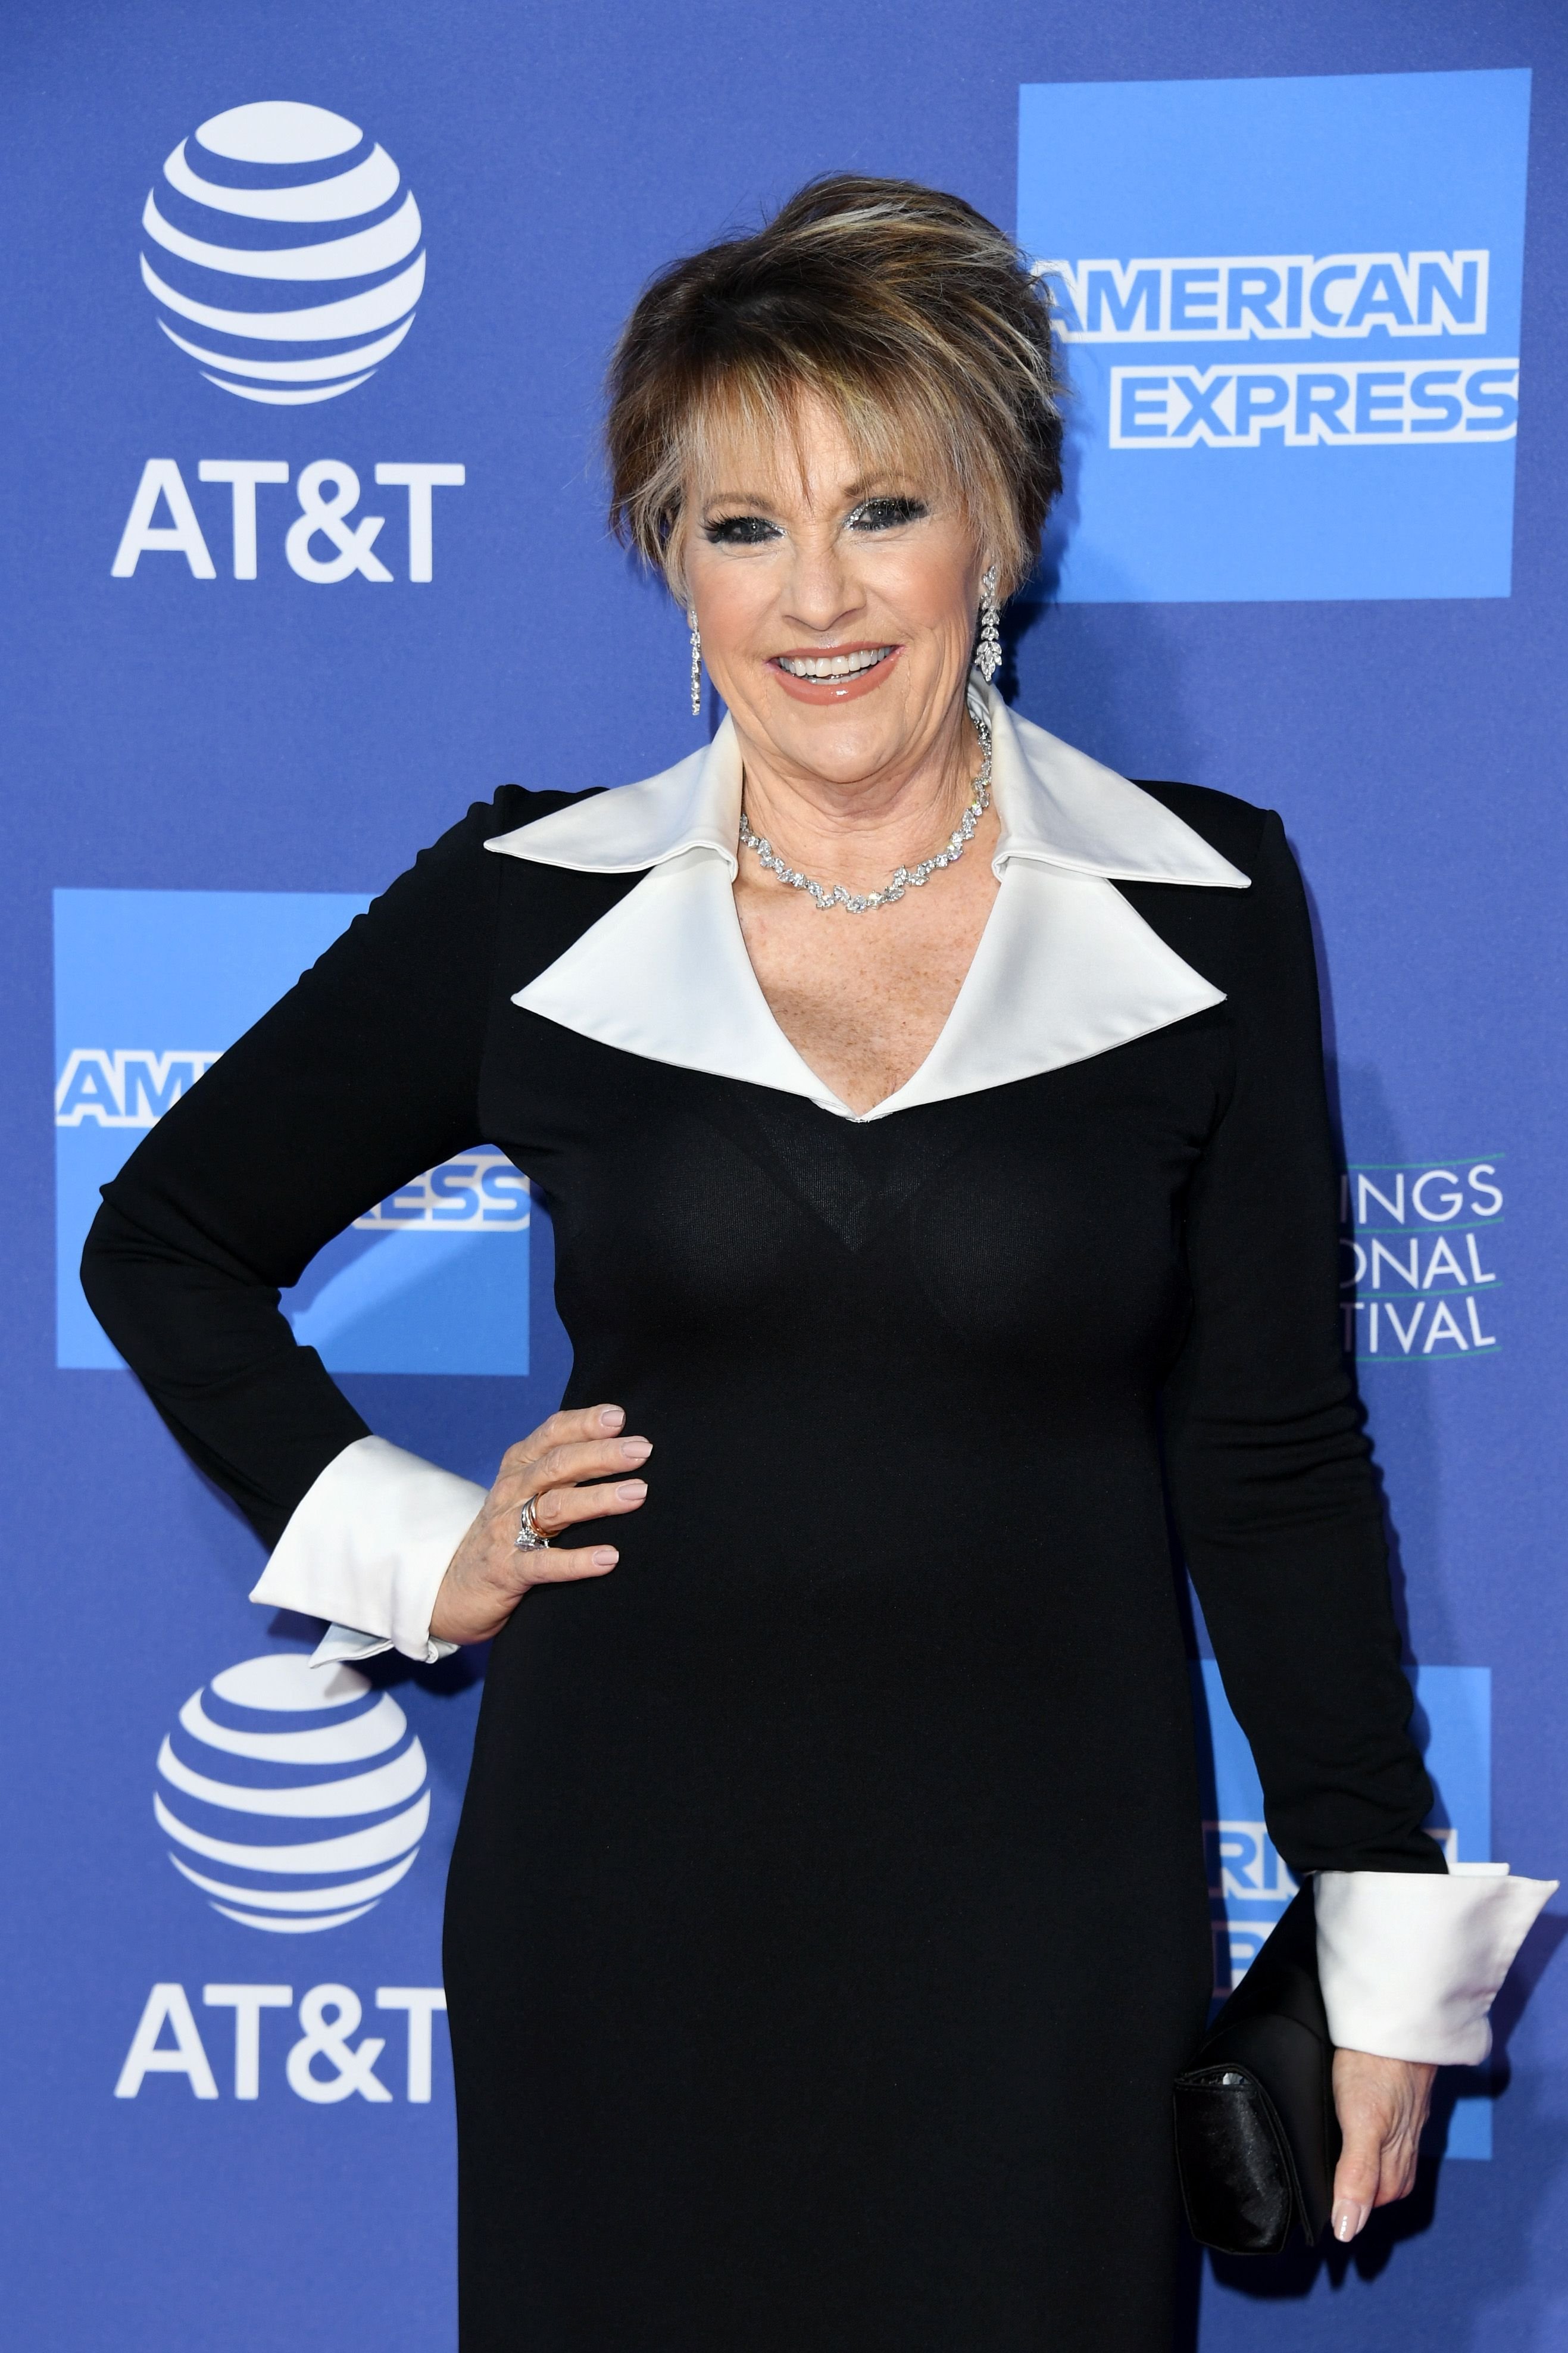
point(836, 609)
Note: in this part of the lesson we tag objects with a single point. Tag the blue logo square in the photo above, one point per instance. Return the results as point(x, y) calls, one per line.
point(1290, 311)
point(150, 988)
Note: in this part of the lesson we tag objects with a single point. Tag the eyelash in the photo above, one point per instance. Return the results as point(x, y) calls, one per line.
point(891, 511)
point(754, 531)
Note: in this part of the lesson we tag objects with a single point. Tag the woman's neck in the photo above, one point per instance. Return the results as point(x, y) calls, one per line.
point(857, 830)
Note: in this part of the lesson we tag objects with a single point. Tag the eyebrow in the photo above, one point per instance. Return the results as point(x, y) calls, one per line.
point(893, 485)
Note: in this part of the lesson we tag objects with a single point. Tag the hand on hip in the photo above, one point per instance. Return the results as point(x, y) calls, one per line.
point(490, 1574)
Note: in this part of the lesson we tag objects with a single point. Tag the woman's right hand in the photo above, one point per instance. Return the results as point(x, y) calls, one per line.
point(487, 1576)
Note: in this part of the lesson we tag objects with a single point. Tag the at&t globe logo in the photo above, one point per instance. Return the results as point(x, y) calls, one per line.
point(255, 271)
point(295, 1795)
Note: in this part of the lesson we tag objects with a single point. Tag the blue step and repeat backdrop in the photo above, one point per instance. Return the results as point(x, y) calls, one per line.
point(308, 308)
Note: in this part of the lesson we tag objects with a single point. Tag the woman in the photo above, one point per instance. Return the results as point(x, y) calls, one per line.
point(933, 1126)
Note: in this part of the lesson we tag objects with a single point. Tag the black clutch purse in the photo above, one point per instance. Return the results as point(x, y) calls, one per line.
point(1257, 2135)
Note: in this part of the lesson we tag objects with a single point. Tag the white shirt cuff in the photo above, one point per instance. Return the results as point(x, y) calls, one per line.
point(353, 1643)
point(367, 1548)
point(1410, 1961)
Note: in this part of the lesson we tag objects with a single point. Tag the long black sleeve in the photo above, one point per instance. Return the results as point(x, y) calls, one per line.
point(1269, 1469)
point(363, 1075)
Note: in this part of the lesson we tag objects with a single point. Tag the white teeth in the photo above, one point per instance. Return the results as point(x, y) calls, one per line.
point(823, 665)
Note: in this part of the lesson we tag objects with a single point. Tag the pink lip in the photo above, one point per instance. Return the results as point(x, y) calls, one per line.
point(832, 690)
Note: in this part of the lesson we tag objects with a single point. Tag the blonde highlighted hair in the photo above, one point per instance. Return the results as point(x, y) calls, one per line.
point(907, 312)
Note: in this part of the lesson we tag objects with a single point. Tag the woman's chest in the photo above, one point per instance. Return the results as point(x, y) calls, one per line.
point(685, 1203)
point(864, 996)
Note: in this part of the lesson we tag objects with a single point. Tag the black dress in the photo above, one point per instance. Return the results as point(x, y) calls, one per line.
point(828, 1915)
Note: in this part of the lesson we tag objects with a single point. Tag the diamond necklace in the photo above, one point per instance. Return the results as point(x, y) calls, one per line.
point(906, 878)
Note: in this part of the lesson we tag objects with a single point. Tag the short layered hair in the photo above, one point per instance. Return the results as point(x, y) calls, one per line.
point(907, 312)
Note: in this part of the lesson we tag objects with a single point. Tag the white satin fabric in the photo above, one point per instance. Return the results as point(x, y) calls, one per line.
point(1410, 1964)
point(367, 1546)
point(1065, 967)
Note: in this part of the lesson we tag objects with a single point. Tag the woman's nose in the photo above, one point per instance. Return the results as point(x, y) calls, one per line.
point(822, 594)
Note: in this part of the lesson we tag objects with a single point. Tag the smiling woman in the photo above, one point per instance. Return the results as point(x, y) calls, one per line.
point(837, 439)
point(932, 1127)
point(836, 611)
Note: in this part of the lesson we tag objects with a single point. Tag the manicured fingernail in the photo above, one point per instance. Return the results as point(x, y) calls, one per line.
point(611, 1418)
point(631, 1490)
point(636, 1449)
point(1347, 2221)
point(604, 1557)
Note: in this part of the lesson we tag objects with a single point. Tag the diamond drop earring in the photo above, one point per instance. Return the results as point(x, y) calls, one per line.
point(696, 661)
point(988, 652)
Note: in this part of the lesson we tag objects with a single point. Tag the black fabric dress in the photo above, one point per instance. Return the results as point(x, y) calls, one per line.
point(828, 1916)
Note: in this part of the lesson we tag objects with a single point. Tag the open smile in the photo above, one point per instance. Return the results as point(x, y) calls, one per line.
point(833, 673)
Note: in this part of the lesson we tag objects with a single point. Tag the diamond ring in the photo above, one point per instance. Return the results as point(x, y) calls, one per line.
point(527, 1538)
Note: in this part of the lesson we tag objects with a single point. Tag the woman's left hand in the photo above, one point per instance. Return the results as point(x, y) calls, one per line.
point(1381, 2105)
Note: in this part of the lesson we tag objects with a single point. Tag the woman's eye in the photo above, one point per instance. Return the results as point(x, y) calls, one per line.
point(887, 514)
point(739, 531)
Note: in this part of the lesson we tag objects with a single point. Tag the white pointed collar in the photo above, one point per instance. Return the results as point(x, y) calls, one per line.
point(1066, 969)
